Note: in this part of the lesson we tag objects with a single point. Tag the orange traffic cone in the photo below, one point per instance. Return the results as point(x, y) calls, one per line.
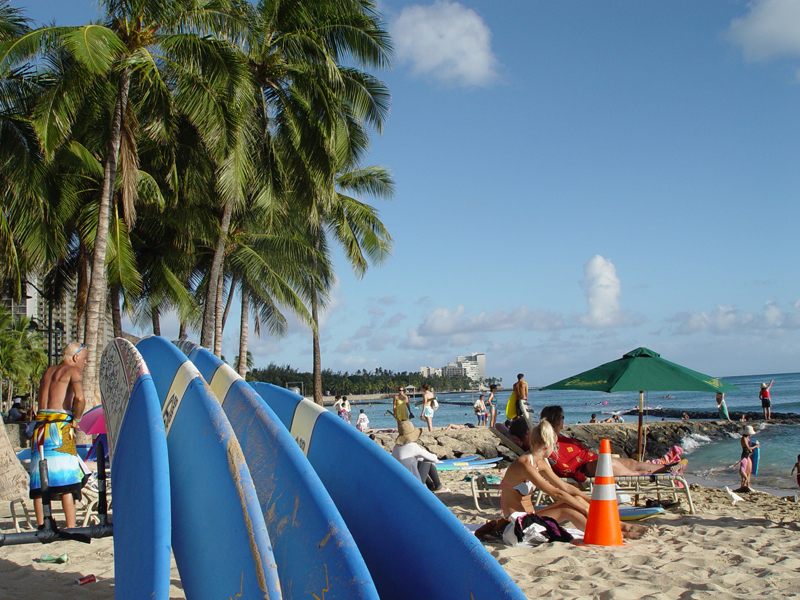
point(602, 526)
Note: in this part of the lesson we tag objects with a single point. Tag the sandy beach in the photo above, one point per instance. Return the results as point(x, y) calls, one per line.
point(750, 549)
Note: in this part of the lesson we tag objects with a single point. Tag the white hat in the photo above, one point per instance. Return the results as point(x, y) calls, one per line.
point(749, 430)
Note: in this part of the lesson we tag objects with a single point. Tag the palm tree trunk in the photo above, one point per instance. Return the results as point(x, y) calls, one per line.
point(218, 319)
point(210, 309)
point(156, 321)
point(116, 313)
point(13, 477)
point(96, 304)
point(317, 356)
point(182, 331)
point(317, 369)
point(243, 325)
point(228, 303)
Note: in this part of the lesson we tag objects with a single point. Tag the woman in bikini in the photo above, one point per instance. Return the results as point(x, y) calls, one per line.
point(427, 405)
point(531, 471)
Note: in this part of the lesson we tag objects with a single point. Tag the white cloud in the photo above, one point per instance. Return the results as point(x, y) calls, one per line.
point(346, 346)
point(722, 320)
point(603, 290)
point(394, 320)
point(771, 28)
point(336, 302)
point(443, 321)
point(445, 41)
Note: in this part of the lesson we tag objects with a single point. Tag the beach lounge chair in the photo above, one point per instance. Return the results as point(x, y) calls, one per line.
point(23, 514)
point(662, 483)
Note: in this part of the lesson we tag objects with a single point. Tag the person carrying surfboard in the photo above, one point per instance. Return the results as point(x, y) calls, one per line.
point(520, 390)
point(60, 408)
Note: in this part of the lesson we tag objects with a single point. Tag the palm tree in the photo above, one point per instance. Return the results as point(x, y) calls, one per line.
point(21, 357)
point(267, 262)
point(243, 368)
point(156, 57)
point(294, 52)
point(352, 223)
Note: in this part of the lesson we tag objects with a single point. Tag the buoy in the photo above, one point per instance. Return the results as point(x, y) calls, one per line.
point(603, 527)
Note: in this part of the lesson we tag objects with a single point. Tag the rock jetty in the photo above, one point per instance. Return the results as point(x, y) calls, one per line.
point(660, 437)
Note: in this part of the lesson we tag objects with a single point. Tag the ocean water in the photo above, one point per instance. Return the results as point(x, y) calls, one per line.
point(780, 444)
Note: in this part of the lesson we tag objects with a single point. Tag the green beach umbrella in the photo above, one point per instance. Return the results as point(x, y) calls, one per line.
point(642, 370)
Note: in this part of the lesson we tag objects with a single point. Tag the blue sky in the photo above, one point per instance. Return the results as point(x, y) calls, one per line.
point(575, 180)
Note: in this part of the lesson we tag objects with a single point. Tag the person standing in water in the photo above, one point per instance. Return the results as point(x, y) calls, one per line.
point(722, 408)
point(400, 407)
point(427, 405)
point(491, 405)
point(521, 390)
point(766, 402)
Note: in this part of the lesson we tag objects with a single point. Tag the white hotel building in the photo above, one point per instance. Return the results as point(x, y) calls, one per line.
point(472, 366)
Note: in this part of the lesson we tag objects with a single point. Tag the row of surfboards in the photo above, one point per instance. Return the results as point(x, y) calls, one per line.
point(259, 493)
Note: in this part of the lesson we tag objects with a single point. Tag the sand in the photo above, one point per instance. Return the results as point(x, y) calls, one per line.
point(744, 551)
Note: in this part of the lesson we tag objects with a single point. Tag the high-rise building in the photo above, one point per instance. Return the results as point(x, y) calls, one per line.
point(430, 372)
point(64, 327)
point(474, 365)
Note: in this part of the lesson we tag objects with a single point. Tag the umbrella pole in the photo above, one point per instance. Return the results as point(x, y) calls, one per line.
point(640, 453)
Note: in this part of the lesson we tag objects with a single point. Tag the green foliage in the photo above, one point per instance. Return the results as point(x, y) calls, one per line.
point(379, 381)
point(22, 357)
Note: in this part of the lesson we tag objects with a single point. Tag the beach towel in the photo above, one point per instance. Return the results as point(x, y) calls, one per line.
point(66, 471)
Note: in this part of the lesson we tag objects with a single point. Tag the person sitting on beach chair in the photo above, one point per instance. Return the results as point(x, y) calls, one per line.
point(526, 475)
point(571, 458)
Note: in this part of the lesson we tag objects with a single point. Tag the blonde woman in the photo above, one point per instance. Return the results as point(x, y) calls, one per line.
point(531, 471)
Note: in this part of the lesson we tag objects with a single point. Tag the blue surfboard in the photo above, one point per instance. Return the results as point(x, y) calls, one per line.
point(393, 517)
point(461, 459)
point(638, 513)
point(467, 467)
point(219, 537)
point(755, 458)
point(138, 451)
point(315, 553)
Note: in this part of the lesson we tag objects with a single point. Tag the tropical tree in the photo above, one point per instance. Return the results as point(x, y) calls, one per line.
point(21, 359)
point(160, 62)
point(350, 222)
point(294, 51)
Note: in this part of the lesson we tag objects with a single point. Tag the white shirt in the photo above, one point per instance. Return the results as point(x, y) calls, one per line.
point(363, 421)
point(409, 456)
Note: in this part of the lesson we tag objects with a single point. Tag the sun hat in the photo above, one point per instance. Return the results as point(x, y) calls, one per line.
point(749, 430)
point(763, 385)
point(407, 433)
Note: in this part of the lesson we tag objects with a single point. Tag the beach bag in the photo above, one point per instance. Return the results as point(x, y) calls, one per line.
point(435, 403)
point(531, 530)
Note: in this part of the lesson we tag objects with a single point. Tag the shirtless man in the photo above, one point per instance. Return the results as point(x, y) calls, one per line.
point(521, 390)
point(60, 408)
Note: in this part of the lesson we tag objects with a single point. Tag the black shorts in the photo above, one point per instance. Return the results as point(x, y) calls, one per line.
point(765, 403)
